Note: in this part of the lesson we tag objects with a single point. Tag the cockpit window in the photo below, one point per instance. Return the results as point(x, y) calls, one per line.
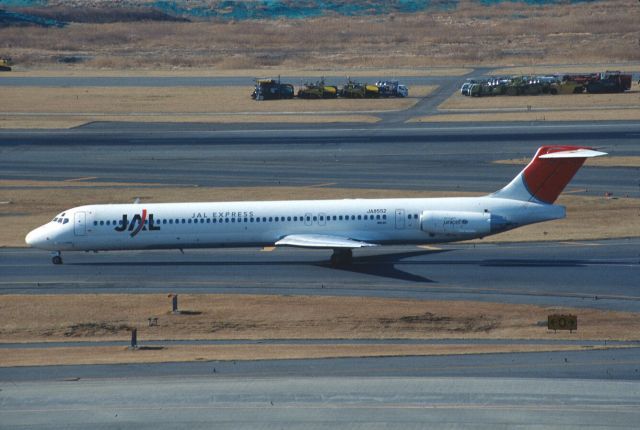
point(66, 220)
point(55, 219)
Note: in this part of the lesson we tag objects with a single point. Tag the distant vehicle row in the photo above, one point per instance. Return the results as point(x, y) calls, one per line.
point(593, 83)
point(272, 89)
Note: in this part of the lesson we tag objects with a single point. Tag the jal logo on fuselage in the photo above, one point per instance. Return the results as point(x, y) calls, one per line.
point(137, 223)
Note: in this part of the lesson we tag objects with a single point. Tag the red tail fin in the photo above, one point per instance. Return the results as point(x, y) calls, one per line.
point(548, 173)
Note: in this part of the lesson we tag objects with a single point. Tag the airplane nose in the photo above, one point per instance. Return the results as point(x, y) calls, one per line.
point(35, 237)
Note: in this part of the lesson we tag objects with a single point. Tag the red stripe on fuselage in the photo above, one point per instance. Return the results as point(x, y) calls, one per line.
point(142, 221)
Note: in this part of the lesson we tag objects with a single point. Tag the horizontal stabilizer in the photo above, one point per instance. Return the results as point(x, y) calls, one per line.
point(321, 241)
point(576, 153)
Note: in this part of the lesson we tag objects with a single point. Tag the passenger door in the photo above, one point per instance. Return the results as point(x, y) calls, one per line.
point(399, 219)
point(79, 223)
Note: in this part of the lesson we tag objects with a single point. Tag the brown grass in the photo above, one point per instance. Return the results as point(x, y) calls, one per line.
point(49, 122)
point(566, 101)
point(608, 161)
point(35, 205)
point(336, 75)
point(114, 354)
point(80, 101)
point(506, 34)
point(567, 68)
point(110, 317)
point(631, 114)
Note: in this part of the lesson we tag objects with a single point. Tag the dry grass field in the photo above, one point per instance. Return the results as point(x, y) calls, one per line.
point(629, 99)
point(506, 34)
point(313, 74)
point(630, 114)
point(535, 69)
point(568, 107)
point(57, 356)
point(183, 100)
point(25, 205)
point(92, 317)
point(50, 107)
point(110, 317)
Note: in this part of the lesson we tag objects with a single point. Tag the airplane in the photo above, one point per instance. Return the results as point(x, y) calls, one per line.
point(340, 225)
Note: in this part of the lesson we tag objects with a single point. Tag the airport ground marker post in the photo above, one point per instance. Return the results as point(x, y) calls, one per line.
point(557, 322)
point(174, 303)
point(134, 338)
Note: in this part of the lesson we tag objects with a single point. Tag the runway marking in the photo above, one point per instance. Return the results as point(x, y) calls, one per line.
point(581, 243)
point(267, 249)
point(583, 190)
point(86, 178)
point(288, 404)
point(432, 248)
point(326, 184)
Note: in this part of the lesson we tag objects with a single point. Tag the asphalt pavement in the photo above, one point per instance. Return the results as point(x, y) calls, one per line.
point(434, 157)
point(595, 274)
point(593, 389)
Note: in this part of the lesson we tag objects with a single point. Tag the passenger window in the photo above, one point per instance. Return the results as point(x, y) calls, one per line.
point(276, 219)
point(95, 223)
point(366, 217)
point(288, 218)
point(184, 221)
point(359, 217)
point(384, 217)
point(226, 220)
point(409, 216)
point(101, 222)
point(377, 216)
point(315, 218)
point(415, 216)
point(335, 218)
point(353, 217)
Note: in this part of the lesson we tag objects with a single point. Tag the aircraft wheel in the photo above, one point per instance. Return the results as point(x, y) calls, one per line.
point(56, 259)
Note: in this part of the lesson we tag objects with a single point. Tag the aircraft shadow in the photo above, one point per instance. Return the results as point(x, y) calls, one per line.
point(384, 265)
point(381, 265)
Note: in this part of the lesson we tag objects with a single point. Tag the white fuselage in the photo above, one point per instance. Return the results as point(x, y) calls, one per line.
point(210, 225)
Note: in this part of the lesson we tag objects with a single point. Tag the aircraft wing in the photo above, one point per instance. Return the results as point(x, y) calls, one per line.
point(321, 241)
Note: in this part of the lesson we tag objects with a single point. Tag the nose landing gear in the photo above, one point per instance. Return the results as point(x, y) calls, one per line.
point(341, 257)
point(56, 257)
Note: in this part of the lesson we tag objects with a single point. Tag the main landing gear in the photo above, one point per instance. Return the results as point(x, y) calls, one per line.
point(56, 257)
point(341, 257)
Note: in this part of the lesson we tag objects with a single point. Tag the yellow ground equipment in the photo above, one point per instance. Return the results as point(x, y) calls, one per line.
point(318, 91)
point(5, 64)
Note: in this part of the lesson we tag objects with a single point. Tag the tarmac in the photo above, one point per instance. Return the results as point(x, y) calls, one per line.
point(594, 274)
point(579, 389)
